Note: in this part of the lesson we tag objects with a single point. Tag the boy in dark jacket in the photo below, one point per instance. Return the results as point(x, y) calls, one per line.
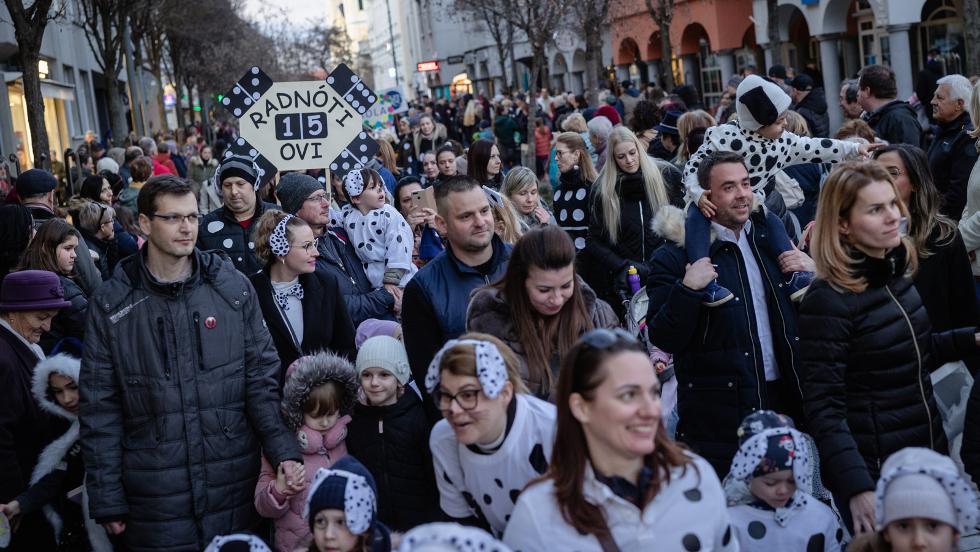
point(389, 435)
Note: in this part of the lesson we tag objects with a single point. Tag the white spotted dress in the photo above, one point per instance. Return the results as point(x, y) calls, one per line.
point(813, 528)
point(688, 514)
point(486, 486)
point(382, 240)
point(764, 157)
point(571, 208)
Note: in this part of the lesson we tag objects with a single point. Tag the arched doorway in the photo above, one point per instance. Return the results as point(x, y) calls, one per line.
point(578, 72)
point(941, 32)
point(634, 68)
point(700, 65)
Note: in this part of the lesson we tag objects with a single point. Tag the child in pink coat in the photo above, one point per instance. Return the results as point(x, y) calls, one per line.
point(319, 393)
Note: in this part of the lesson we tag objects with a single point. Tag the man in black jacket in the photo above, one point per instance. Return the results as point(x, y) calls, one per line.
point(740, 357)
point(953, 152)
point(178, 389)
point(229, 227)
point(893, 120)
point(811, 103)
point(304, 196)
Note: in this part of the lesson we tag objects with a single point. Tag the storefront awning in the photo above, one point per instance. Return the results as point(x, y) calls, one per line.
point(49, 88)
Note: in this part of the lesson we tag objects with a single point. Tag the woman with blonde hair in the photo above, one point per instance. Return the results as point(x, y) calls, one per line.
point(627, 195)
point(685, 125)
point(521, 188)
point(866, 344)
point(505, 219)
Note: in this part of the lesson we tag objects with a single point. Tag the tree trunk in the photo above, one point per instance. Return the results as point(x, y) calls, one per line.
point(593, 60)
point(35, 109)
point(161, 108)
point(772, 31)
point(666, 58)
point(178, 93)
point(971, 28)
point(117, 111)
point(502, 56)
point(515, 84)
point(532, 108)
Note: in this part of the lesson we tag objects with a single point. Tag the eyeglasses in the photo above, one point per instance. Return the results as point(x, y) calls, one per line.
point(560, 153)
point(467, 399)
point(177, 219)
point(308, 245)
point(604, 338)
point(319, 198)
point(105, 222)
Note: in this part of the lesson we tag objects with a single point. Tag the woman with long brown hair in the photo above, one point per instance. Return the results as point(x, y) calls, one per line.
point(540, 307)
point(616, 480)
point(866, 344)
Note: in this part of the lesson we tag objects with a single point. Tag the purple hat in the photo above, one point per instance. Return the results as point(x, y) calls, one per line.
point(32, 290)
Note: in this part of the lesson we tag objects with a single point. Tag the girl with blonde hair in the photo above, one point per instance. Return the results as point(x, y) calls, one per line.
point(686, 124)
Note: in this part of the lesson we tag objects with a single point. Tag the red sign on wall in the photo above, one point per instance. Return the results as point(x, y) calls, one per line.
point(427, 66)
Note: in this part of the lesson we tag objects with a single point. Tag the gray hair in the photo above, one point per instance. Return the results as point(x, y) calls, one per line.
point(91, 216)
point(518, 179)
point(600, 126)
point(959, 88)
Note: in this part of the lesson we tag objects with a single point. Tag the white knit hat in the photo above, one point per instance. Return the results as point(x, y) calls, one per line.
point(921, 483)
point(382, 351)
point(759, 102)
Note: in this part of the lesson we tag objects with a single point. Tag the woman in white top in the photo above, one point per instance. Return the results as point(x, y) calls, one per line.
point(494, 437)
point(616, 480)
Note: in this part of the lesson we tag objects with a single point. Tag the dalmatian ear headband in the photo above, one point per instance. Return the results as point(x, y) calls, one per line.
point(255, 544)
point(354, 183)
point(359, 500)
point(450, 536)
point(753, 450)
point(959, 491)
point(491, 369)
point(278, 241)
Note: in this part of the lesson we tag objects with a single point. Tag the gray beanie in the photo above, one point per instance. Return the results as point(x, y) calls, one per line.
point(382, 351)
point(294, 189)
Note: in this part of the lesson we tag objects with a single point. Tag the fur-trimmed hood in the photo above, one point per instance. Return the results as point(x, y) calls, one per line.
point(669, 223)
point(310, 372)
point(63, 364)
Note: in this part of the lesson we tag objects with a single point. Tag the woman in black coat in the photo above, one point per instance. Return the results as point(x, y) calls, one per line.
point(302, 306)
point(625, 198)
point(866, 344)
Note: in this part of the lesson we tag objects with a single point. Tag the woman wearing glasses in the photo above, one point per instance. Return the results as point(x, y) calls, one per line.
point(96, 222)
point(616, 481)
point(494, 437)
point(53, 249)
point(302, 306)
point(540, 307)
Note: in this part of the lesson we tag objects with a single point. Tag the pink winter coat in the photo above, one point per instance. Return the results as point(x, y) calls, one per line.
point(320, 450)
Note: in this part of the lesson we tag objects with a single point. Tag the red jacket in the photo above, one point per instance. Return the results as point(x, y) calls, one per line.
point(162, 164)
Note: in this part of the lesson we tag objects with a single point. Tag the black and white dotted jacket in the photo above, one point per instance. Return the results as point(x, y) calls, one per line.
point(764, 157)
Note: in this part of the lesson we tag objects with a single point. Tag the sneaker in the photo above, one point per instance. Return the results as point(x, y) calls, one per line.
point(798, 283)
point(715, 295)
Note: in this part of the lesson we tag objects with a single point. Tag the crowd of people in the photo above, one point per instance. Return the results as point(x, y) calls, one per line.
point(669, 325)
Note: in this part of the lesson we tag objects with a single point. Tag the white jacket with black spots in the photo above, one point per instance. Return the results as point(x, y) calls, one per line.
point(763, 156)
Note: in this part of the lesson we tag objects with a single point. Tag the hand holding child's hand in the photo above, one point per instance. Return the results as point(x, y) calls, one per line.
point(290, 478)
point(707, 208)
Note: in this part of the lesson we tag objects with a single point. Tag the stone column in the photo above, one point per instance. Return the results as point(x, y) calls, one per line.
point(852, 56)
point(726, 62)
point(901, 58)
point(830, 67)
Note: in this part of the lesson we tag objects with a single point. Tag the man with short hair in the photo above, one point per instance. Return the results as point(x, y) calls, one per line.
point(733, 360)
point(435, 302)
point(307, 198)
point(778, 74)
point(229, 227)
point(430, 169)
point(893, 120)
point(36, 189)
point(811, 103)
point(848, 99)
point(953, 152)
point(178, 389)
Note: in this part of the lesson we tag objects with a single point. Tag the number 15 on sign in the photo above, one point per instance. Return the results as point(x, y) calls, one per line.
point(301, 126)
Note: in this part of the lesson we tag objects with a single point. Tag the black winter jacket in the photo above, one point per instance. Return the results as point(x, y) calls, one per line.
point(896, 123)
point(70, 321)
point(219, 230)
point(326, 324)
point(951, 158)
point(813, 108)
point(866, 360)
point(393, 444)
point(717, 355)
point(178, 400)
point(338, 257)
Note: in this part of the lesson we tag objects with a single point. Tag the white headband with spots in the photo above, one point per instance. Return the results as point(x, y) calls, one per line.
point(753, 450)
point(354, 183)
point(255, 544)
point(359, 499)
point(278, 241)
point(491, 369)
point(960, 493)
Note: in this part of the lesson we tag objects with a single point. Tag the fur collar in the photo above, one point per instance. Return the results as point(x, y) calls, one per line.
point(62, 364)
point(310, 372)
point(669, 223)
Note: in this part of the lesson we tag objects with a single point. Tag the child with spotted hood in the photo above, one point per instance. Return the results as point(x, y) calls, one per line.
point(766, 148)
point(342, 509)
point(769, 490)
point(317, 400)
point(382, 239)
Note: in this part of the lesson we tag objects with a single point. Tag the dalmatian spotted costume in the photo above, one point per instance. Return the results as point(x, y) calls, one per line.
point(381, 237)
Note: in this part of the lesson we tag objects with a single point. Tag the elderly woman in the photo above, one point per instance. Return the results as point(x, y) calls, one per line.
point(521, 188)
point(29, 300)
point(599, 129)
point(616, 480)
point(96, 222)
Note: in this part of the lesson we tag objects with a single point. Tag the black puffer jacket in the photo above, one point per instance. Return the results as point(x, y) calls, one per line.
point(813, 108)
point(70, 321)
point(178, 399)
point(219, 230)
point(896, 123)
point(866, 388)
point(393, 444)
